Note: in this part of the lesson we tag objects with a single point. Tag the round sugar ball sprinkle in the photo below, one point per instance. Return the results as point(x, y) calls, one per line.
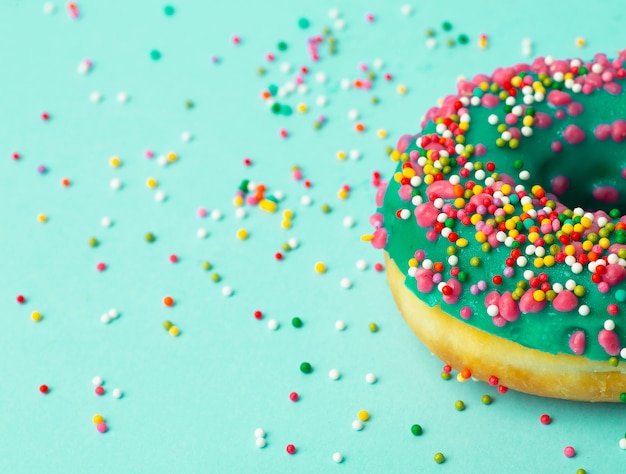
point(357, 425)
point(260, 442)
point(116, 393)
point(337, 457)
point(370, 378)
point(340, 325)
point(334, 374)
point(259, 433)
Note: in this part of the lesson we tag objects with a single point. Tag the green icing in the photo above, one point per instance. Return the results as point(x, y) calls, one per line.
point(587, 165)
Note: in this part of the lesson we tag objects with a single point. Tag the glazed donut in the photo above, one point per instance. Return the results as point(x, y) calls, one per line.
point(504, 233)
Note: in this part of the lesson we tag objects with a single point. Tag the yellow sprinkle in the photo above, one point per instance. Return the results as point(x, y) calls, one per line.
point(412, 262)
point(342, 194)
point(539, 295)
point(42, 218)
point(429, 179)
point(516, 81)
point(267, 205)
point(538, 262)
point(320, 267)
point(151, 183)
point(97, 419)
point(408, 172)
point(367, 237)
point(35, 316)
point(460, 378)
point(242, 234)
point(363, 415)
point(401, 89)
point(341, 155)
point(570, 250)
point(172, 157)
point(381, 133)
point(549, 261)
point(115, 162)
point(587, 245)
point(476, 218)
point(464, 126)
point(285, 224)
point(174, 331)
point(288, 214)
point(462, 242)
point(302, 108)
point(567, 228)
point(478, 189)
point(604, 243)
point(238, 201)
point(586, 222)
point(373, 327)
point(395, 155)
point(580, 42)
point(397, 176)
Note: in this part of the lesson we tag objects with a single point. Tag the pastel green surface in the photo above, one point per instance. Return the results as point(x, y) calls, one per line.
point(192, 403)
point(550, 330)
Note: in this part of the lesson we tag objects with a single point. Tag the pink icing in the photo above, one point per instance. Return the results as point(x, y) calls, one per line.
point(560, 184)
point(424, 278)
point(457, 287)
point(380, 194)
point(490, 101)
point(575, 109)
point(556, 146)
point(602, 131)
point(565, 301)
point(559, 98)
point(542, 120)
point(380, 238)
point(609, 342)
point(405, 192)
point(509, 309)
point(614, 274)
point(527, 303)
point(426, 215)
point(404, 142)
point(618, 130)
point(607, 194)
point(443, 189)
point(577, 342)
point(574, 134)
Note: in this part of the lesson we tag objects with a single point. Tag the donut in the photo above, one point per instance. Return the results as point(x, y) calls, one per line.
point(504, 232)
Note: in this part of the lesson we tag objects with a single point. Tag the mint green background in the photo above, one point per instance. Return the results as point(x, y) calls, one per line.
point(191, 403)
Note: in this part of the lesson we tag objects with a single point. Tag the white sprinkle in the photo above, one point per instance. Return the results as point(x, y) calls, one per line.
point(492, 119)
point(348, 221)
point(279, 195)
point(355, 154)
point(357, 425)
point(431, 43)
point(241, 213)
point(406, 10)
point(116, 393)
point(113, 313)
point(306, 200)
point(122, 97)
point(227, 291)
point(162, 160)
point(378, 63)
point(337, 457)
point(106, 222)
point(321, 100)
point(48, 8)
point(293, 243)
point(321, 77)
point(105, 319)
point(340, 325)
point(609, 324)
point(334, 374)
point(340, 24)
point(95, 97)
point(216, 214)
point(84, 66)
point(584, 310)
point(345, 283)
point(353, 114)
point(285, 67)
point(202, 233)
point(97, 380)
point(333, 13)
point(622, 443)
point(622, 353)
point(259, 433)
point(524, 175)
point(370, 378)
point(345, 84)
point(185, 136)
point(272, 324)
point(260, 442)
point(160, 196)
point(115, 184)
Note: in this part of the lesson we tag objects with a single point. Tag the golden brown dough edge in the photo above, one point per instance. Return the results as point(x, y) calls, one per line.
point(517, 367)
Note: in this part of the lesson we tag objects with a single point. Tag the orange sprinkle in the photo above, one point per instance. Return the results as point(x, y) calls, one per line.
point(458, 190)
point(168, 301)
point(438, 267)
point(359, 127)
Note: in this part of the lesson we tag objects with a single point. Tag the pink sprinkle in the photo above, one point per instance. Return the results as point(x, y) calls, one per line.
point(369, 18)
point(466, 312)
point(72, 9)
point(148, 153)
point(101, 266)
point(99, 390)
point(202, 212)
point(174, 258)
point(102, 427)
point(569, 452)
point(215, 59)
point(556, 146)
point(283, 133)
point(236, 39)
point(270, 57)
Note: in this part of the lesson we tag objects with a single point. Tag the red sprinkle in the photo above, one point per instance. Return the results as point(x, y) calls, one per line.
point(174, 258)
point(291, 449)
point(294, 397)
point(278, 256)
point(545, 419)
point(20, 299)
point(99, 390)
point(258, 314)
point(101, 266)
point(43, 388)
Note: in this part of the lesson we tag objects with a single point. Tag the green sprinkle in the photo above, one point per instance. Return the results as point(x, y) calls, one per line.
point(416, 430)
point(216, 277)
point(446, 25)
point(296, 322)
point(325, 208)
point(206, 265)
point(518, 164)
point(150, 237)
point(615, 213)
point(463, 39)
point(446, 375)
point(304, 23)
point(260, 71)
point(282, 46)
point(168, 10)
point(430, 33)
point(450, 42)
point(622, 397)
point(155, 54)
point(613, 361)
point(93, 242)
point(375, 100)
point(486, 399)
point(439, 458)
point(306, 368)
point(373, 327)
point(167, 325)
point(317, 125)
point(581, 471)
point(459, 405)
point(189, 104)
